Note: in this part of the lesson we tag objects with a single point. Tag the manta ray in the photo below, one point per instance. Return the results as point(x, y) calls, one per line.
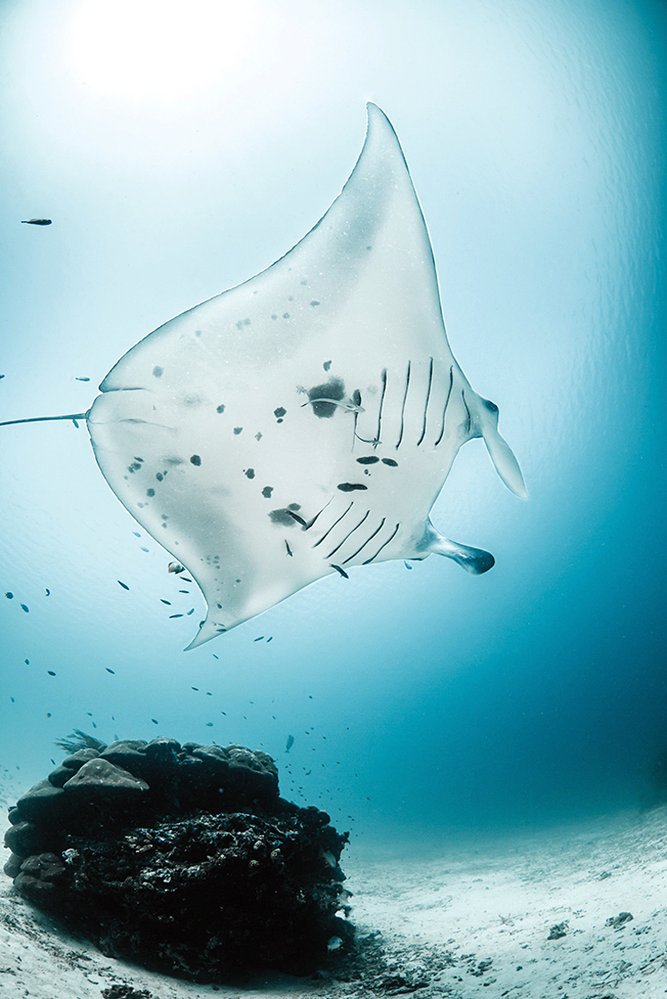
point(305, 421)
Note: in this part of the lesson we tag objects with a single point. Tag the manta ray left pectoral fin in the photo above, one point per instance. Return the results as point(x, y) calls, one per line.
point(473, 560)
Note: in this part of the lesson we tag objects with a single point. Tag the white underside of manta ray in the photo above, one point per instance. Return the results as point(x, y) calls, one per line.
point(304, 422)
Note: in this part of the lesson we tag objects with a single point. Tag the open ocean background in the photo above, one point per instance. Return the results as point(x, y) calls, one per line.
point(180, 148)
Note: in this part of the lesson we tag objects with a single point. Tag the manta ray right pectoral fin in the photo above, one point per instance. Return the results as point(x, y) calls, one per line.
point(473, 560)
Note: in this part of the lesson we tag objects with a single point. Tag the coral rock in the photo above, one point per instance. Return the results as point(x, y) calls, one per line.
point(200, 869)
point(38, 800)
point(101, 778)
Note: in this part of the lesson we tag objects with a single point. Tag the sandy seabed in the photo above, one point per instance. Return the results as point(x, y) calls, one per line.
point(542, 916)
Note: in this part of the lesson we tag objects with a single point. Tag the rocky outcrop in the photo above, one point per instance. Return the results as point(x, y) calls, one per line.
point(183, 858)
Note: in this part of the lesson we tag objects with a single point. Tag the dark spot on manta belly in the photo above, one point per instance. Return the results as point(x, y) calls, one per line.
point(237, 430)
point(220, 408)
point(350, 487)
point(266, 492)
point(282, 517)
point(370, 460)
point(158, 371)
point(390, 462)
point(326, 365)
point(279, 413)
point(250, 473)
point(195, 459)
point(293, 506)
point(333, 389)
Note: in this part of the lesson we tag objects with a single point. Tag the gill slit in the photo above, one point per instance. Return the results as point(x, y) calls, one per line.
point(369, 538)
point(405, 397)
point(390, 538)
point(341, 543)
point(337, 521)
point(444, 412)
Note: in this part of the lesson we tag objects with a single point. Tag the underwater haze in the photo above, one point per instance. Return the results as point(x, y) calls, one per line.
point(180, 149)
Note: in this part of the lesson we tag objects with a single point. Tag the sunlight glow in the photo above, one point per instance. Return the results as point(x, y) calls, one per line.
point(158, 50)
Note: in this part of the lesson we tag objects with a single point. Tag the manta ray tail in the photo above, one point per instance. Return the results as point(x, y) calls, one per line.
point(74, 417)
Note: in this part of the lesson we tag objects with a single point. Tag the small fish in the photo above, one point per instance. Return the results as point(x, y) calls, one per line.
point(269, 639)
point(81, 378)
point(163, 601)
point(175, 567)
point(341, 571)
point(25, 608)
point(407, 565)
point(47, 591)
point(109, 670)
point(260, 638)
point(51, 672)
point(289, 743)
point(171, 616)
point(349, 405)
point(121, 583)
point(36, 221)
point(155, 721)
point(289, 550)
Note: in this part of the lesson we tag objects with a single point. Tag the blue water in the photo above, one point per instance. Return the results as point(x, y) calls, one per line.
point(422, 703)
